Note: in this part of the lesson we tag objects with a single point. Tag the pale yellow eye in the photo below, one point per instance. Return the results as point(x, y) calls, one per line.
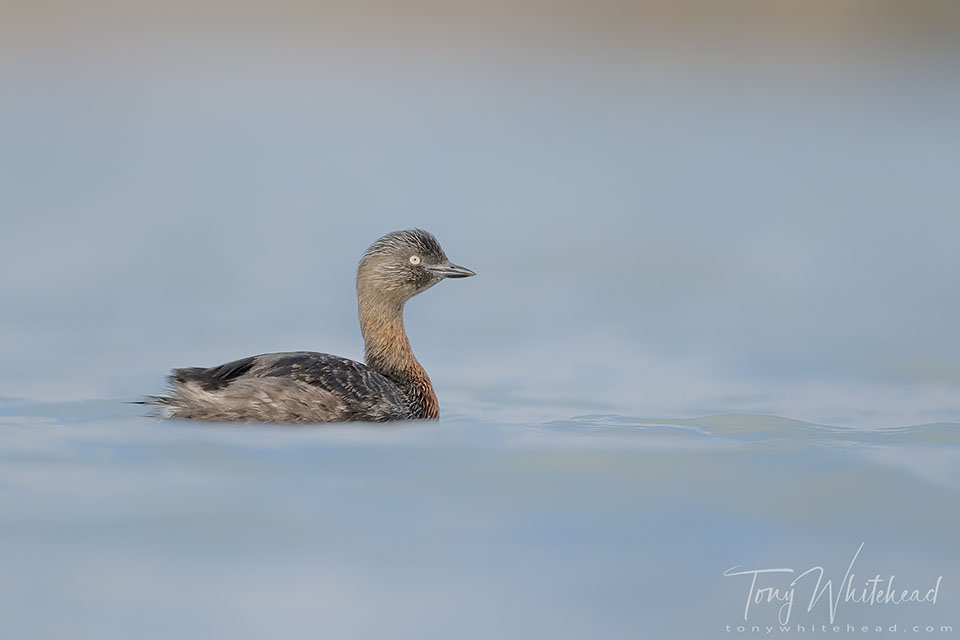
point(414, 259)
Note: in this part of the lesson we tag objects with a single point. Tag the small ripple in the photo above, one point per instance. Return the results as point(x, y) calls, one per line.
point(760, 427)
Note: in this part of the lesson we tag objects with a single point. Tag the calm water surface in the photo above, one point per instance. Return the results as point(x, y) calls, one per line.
point(593, 526)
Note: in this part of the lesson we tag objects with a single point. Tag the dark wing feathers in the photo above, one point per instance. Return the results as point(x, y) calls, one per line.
point(360, 388)
point(214, 378)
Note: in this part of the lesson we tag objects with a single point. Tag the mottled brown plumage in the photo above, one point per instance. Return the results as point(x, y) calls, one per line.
point(305, 386)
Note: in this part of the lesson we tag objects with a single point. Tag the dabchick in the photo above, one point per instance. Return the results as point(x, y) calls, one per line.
point(304, 386)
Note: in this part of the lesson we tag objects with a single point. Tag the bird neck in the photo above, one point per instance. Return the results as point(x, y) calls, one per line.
point(387, 350)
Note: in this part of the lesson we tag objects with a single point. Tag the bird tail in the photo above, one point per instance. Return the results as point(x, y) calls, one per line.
point(152, 401)
point(159, 405)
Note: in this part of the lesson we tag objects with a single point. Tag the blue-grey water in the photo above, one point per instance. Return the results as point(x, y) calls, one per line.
point(588, 526)
point(714, 326)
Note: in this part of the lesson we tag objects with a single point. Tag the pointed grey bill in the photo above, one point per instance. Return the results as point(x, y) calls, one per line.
point(450, 270)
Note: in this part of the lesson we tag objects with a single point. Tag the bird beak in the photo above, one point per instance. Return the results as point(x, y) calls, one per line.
point(450, 270)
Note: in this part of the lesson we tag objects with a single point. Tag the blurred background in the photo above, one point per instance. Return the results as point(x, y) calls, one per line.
point(674, 208)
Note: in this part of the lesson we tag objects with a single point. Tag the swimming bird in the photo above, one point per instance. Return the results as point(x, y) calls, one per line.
point(304, 386)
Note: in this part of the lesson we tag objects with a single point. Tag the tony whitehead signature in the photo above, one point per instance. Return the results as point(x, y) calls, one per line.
point(875, 590)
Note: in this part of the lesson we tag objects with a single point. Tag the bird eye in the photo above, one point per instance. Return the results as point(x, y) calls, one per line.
point(414, 259)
